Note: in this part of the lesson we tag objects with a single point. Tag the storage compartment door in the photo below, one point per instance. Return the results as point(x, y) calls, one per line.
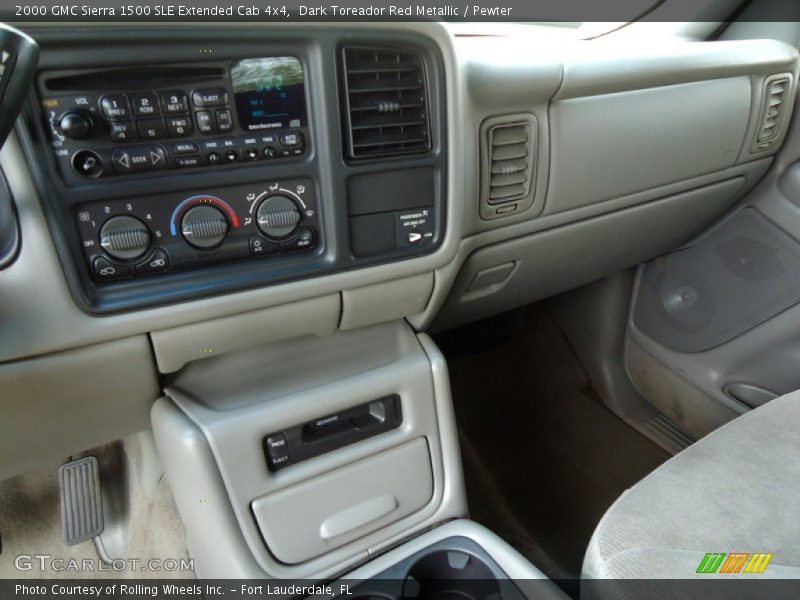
point(313, 517)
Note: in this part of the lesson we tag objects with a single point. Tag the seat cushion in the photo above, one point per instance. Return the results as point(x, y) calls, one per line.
point(736, 490)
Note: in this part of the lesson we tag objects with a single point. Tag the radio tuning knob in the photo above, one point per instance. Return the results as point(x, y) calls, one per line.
point(124, 237)
point(277, 216)
point(204, 226)
point(75, 125)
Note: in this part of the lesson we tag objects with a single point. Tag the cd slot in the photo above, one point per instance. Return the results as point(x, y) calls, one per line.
point(133, 78)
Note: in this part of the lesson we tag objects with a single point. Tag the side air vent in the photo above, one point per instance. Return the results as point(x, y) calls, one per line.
point(774, 109)
point(509, 164)
point(386, 102)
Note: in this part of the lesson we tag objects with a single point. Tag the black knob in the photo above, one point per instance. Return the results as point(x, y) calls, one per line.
point(124, 237)
point(204, 226)
point(75, 125)
point(277, 216)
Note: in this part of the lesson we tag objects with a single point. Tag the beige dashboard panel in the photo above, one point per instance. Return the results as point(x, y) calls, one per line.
point(64, 403)
point(177, 346)
point(611, 145)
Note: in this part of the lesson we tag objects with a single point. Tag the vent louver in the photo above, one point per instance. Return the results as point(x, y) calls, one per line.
point(509, 164)
point(774, 107)
point(386, 102)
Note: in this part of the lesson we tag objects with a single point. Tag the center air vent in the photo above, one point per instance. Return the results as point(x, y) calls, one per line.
point(509, 162)
point(386, 102)
point(777, 90)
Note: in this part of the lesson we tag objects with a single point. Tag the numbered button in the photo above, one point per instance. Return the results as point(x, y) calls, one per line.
point(145, 105)
point(179, 126)
point(150, 129)
point(114, 106)
point(121, 131)
point(175, 102)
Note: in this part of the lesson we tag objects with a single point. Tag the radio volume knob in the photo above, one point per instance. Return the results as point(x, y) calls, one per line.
point(277, 216)
point(124, 237)
point(75, 125)
point(204, 226)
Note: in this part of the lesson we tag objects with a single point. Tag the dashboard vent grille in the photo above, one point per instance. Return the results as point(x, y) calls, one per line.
point(776, 98)
point(510, 161)
point(386, 102)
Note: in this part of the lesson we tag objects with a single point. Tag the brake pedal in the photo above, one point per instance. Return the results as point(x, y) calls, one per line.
point(81, 503)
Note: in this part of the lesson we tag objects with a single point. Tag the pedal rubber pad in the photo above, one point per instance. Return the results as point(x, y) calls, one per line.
point(81, 503)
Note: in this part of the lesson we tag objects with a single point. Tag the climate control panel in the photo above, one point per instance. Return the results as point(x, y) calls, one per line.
point(151, 235)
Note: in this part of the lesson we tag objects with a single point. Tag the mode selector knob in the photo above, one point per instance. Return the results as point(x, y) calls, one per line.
point(204, 226)
point(277, 216)
point(124, 237)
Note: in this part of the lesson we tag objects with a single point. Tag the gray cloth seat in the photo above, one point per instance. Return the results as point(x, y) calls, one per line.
point(736, 490)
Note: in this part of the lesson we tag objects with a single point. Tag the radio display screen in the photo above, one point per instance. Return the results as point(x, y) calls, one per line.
point(269, 93)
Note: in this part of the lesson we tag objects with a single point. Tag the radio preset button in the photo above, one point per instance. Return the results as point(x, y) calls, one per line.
point(151, 129)
point(205, 121)
point(185, 148)
point(145, 105)
point(121, 131)
point(210, 97)
point(224, 121)
point(114, 106)
point(175, 102)
point(179, 126)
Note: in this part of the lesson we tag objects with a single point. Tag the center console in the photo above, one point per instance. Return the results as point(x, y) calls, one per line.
point(209, 163)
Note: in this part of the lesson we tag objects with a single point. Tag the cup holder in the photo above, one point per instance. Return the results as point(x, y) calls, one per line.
point(450, 575)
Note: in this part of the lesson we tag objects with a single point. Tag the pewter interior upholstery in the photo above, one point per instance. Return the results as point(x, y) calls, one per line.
point(735, 490)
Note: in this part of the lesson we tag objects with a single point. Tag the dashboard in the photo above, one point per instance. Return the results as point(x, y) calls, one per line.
point(265, 162)
point(186, 192)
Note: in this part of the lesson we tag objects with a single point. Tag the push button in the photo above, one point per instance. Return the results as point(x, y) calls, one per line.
point(259, 246)
point(251, 153)
point(291, 140)
point(151, 129)
point(205, 122)
point(304, 240)
point(145, 105)
point(121, 131)
point(114, 106)
point(105, 269)
point(224, 121)
point(187, 161)
point(175, 102)
point(139, 158)
point(179, 126)
point(210, 97)
point(157, 262)
point(185, 148)
point(277, 443)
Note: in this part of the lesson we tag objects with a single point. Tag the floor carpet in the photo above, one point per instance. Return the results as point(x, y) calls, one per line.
point(544, 458)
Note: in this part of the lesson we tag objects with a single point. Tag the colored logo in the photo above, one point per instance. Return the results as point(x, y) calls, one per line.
point(734, 562)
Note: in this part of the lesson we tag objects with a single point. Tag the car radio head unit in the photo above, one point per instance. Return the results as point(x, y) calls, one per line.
point(269, 93)
point(123, 121)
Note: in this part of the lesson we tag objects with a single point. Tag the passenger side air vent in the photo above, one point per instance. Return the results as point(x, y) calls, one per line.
point(508, 165)
point(386, 102)
point(774, 108)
